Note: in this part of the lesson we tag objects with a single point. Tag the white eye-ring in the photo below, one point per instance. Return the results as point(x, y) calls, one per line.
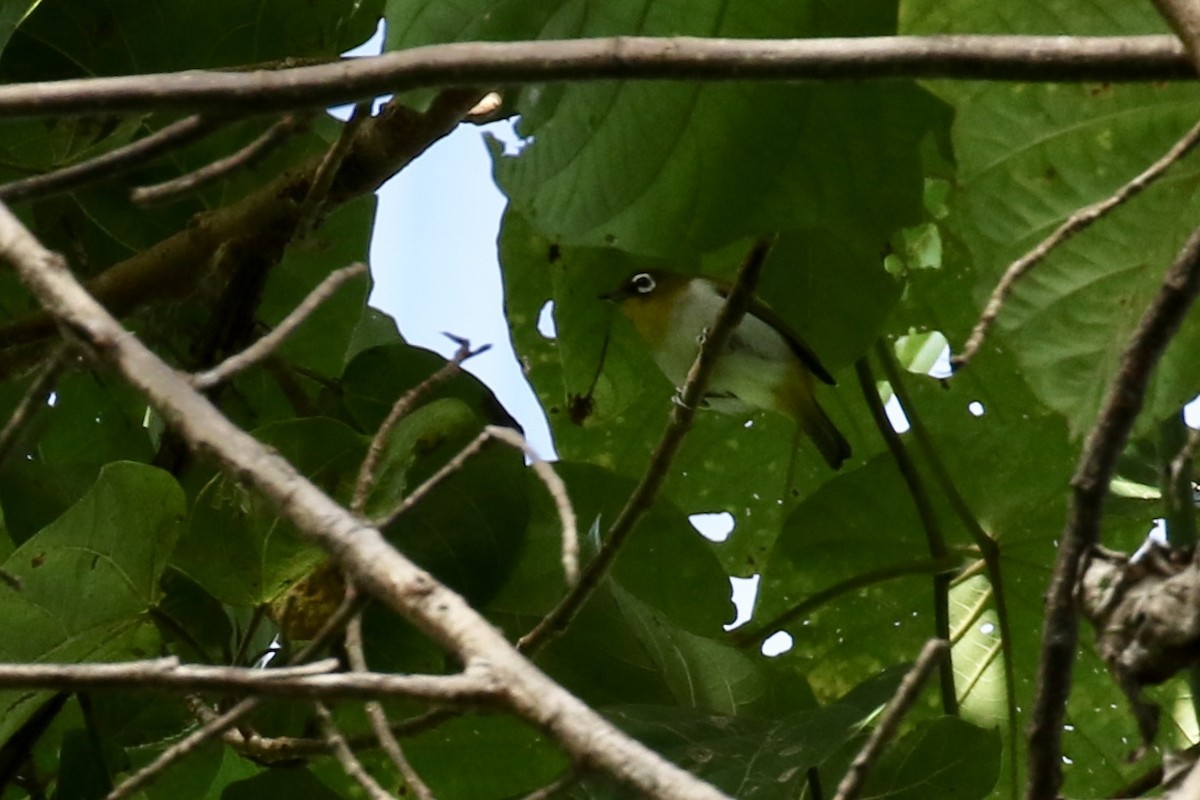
point(643, 283)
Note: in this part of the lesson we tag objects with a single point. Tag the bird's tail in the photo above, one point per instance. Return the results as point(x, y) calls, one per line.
point(829, 440)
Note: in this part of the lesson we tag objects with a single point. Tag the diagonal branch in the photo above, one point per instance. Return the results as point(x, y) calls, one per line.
point(268, 344)
point(678, 424)
point(989, 550)
point(1097, 463)
point(113, 163)
point(1076, 223)
point(268, 140)
point(368, 470)
point(906, 695)
point(934, 539)
point(1008, 58)
point(374, 566)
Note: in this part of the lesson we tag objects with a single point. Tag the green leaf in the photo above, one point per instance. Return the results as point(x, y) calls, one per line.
point(855, 524)
point(468, 529)
point(295, 782)
point(94, 420)
point(1028, 157)
point(745, 756)
point(707, 674)
point(236, 545)
point(322, 343)
point(942, 758)
point(125, 36)
point(377, 377)
point(487, 744)
point(110, 548)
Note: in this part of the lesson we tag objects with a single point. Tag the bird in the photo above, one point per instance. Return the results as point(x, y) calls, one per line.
point(764, 364)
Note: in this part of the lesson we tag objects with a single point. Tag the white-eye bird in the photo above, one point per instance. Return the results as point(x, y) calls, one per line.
point(764, 363)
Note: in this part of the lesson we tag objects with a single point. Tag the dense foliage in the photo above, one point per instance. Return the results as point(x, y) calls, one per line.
point(898, 203)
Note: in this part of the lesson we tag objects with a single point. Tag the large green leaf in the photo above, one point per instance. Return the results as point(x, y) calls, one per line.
point(1030, 155)
point(748, 756)
point(237, 546)
point(608, 403)
point(110, 549)
point(967, 762)
point(676, 168)
point(507, 758)
point(322, 343)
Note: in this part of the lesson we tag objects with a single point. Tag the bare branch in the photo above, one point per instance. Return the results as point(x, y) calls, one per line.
point(679, 423)
point(113, 163)
point(1008, 58)
point(367, 472)
point(889, 722)
point(921, 566)
point(318, 190)
point(558, 492)
point(543, 469)
point(1081, 532)
point(378, 719)
point(33, 399)
point(1077, 222)
point(934, 539)
point(257, 149)
point(988, 549)
point(345, 756)
point(287, 748)
point(1184, 18)
point(305, 681)
point(377, 568)
point(217, 725)
point(268, 344)
point(1186, 454)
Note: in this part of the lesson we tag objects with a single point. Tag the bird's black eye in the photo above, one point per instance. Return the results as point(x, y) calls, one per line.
point(643, 283)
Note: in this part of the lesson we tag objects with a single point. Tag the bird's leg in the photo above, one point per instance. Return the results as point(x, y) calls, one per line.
point(677, 398)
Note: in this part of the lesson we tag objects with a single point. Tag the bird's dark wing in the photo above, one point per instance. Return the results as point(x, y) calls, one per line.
point(767, 314)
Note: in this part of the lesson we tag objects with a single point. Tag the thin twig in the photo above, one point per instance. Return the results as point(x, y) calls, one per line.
point(558, 493)
point(889, 722)
point(377, 717)
point(1006, 58)
point(679, 423)
point(248, 155)
point(555, 787)
point(276, 749)
point(303, 681)
point(922, 566)
point(932, 528)
point(314, 201)
point(170, 268)
point(988, 549)
point(115, 162)
point(33, 400)
point(368, 471)
point(345, 756)
point(1186, 454)
point(218, 725)
point(543, 469)
point(1103, 446)
point(376, 568)
point(269, 343)
point(1077, 222)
